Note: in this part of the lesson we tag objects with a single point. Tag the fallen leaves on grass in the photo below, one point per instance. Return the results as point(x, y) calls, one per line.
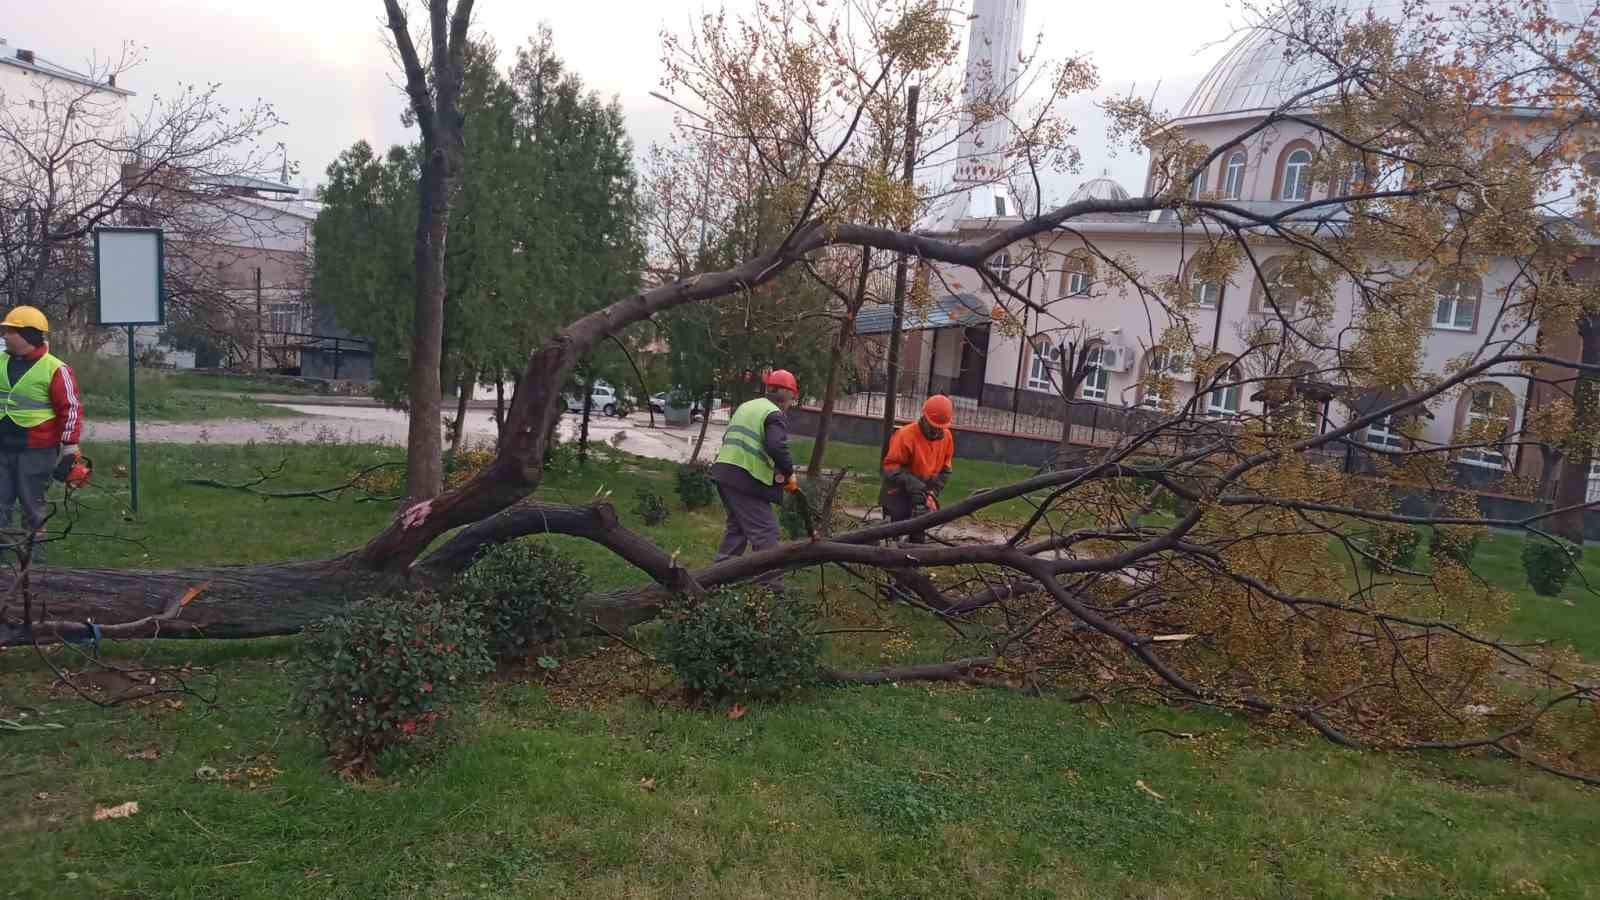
point(150, 752)
point(737, 711)
point(648, 784)
point(1146, 788)
point(120, 811)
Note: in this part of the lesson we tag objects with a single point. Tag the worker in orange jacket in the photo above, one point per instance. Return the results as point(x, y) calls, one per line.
point(918, 464)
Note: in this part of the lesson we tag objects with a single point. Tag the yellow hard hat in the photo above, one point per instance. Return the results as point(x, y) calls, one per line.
point(25, 317)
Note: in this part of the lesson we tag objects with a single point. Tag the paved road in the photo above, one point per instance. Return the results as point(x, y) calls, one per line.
point(376, 425)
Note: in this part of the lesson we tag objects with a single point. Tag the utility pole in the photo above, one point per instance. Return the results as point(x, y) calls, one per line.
point(898, 325)
point(258, 320)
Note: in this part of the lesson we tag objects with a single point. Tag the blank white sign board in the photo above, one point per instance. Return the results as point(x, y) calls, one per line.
point(128, 263)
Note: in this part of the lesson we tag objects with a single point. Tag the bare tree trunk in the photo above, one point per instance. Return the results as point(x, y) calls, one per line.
point(439, 119)
point(700, 439)
point(897, 328)
point(458, 435)
point(583, 423)
point(499, 405)
point(1572, 487)
point(819, 445)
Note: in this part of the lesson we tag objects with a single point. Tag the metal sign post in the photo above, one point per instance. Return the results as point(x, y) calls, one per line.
point(129, 269)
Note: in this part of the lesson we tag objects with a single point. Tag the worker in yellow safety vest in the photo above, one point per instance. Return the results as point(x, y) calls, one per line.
point(41, 419)
point(753, 467)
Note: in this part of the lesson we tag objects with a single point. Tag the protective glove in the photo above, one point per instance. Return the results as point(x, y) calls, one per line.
point(792, 485)
point(912, 484)
point(932, 503)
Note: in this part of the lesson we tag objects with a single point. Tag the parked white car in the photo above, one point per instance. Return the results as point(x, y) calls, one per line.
point(603, 399)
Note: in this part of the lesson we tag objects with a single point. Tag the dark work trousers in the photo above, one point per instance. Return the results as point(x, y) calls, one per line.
point(753, 523)
point(24, 476)
point(897, 506)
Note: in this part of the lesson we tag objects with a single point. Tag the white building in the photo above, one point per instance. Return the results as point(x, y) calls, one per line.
point(1122, 331)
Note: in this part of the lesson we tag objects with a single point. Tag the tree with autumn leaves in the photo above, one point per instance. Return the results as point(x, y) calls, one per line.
point(1215, 561)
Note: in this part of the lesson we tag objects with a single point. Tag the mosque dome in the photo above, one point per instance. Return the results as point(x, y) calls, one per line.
point(1102, 188)
point(1253, 75)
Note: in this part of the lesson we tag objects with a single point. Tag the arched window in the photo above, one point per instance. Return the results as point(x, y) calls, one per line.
point(1095, 380)
point(1485, 415)
point(1384, 434)
point(1077, 274)
point(1296, 179)
point(1274, 289)
point(1158, 363)
point(1456, 306)
point(1001, 264)
point(1046, 362)
point(1224, 401)
point(1233, 175)
point(1197, 186)
point(1206, 294)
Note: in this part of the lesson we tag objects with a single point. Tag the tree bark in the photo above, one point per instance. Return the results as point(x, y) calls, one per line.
point(819, 446)
point(1572, 487)
point(897, 327)
point(583, 423)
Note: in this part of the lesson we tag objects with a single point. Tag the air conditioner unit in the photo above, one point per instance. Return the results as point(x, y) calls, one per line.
point(1116, 358)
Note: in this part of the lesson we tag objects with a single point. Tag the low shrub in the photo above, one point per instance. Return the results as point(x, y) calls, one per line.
point(527, 591)
point(1549, 564)
point(741, 642)
point(649, 506)
point(385, 671)
point(694, 485)
point(1393, 547)
point(813, 490)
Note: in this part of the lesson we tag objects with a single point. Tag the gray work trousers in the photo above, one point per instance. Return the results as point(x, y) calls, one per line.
point(752, 523)
point(24, 476)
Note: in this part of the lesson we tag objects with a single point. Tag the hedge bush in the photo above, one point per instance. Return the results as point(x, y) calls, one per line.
point(1549, 564)
point(527, 591)
point(694, 485)
point(649, 506)
point(1455, 543)
point(741, 642)
point(386, 671)
point(1393, 547)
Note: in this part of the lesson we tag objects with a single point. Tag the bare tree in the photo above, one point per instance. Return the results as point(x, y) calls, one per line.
point(433, 89)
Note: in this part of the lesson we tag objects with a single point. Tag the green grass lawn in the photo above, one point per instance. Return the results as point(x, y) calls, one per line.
point(166, 396)
point(893, 792)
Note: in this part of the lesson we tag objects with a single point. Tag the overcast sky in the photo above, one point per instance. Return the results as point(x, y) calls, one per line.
point(322, 65)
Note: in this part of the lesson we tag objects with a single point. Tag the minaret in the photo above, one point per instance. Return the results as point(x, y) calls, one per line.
point(994, 63)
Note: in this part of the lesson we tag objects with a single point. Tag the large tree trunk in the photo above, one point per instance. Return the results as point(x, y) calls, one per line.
point(424, 443)
point(1572, 486)
point(830, 393)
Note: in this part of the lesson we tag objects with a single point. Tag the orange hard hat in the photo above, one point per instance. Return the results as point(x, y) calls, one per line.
point(939, 411)
point(783, 378)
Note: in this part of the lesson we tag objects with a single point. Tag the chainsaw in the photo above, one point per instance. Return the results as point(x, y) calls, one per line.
point(74, 471)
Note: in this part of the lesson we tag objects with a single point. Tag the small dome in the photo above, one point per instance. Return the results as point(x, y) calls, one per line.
point(1102, 188)
point(1255, 75)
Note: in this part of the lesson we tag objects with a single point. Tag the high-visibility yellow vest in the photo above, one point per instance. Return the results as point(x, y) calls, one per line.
point(744, 443)
point(27, 402)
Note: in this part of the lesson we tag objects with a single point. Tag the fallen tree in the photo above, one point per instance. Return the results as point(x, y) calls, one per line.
point(1233, 562)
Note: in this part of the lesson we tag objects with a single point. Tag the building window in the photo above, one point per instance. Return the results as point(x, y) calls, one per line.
point(1233, 177)
point(1157, 364)
point(1457, 307)
point(1593, 492)
point(1094, 382)
point(1488, 416)
point(1001, 264)
point(1224, 401)
point(1384, 435)
point(1076, 284)
point(1197, 185)
point(1275, 289)
point(283, 318)
point(1297, 175)
point(1206, 293)
point(1000, 206)
point(1046, 359)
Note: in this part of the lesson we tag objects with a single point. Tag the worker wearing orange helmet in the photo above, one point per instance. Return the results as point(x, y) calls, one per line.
point(918, 463)
point(753, 467)
point(41, 419)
